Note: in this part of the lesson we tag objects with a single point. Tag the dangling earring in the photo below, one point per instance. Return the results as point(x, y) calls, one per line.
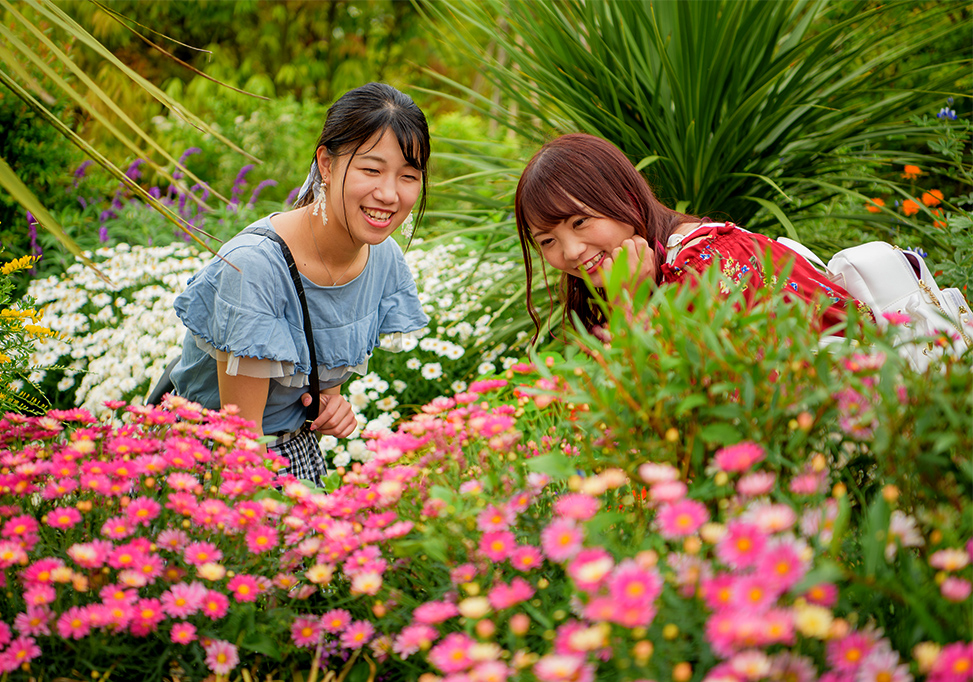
point(321, 203)
point(408, 225)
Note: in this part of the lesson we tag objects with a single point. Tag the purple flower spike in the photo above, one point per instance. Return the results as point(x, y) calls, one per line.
point(84, 204)
point(82, 170)
point(292, 197)
point(155, 192)
point(242, 175)
point(189, 152)
point(103, 234)
point(259, 188)
point(107, 214)
point(133, 172)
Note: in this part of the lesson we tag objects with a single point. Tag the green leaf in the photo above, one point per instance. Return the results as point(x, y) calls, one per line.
point(262, 643)
point(442, 493)
point(720, 433)
point(691, 402)
point(875, 535)
point(825, 572)
point(556, 465)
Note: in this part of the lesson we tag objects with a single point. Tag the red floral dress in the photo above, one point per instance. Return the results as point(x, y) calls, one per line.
point(741, 255)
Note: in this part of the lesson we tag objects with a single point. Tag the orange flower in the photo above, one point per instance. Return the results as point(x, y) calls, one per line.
point(939, 219)
point(912, 172)
point(909, 207)
point(873, 205)
point(932, 198)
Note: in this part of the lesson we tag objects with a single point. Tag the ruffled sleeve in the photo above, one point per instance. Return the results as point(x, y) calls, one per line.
point(237, 305)
point(400, 311)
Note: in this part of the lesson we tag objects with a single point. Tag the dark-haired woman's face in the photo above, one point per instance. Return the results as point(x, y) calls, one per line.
point(581, 243)
point(373, 198)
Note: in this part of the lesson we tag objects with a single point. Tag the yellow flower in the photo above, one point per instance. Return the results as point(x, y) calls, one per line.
point(37, 330)
point(16, 264)
point(812, 620)
point(4, 358)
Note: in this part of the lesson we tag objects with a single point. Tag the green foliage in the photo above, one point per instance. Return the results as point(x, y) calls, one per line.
point(730, 107)
point(689, 370)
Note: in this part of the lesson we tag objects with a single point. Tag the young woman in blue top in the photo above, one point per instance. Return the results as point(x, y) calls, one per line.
point(246, 344)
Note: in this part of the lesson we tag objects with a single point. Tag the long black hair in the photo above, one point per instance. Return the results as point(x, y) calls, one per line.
point(361, 113)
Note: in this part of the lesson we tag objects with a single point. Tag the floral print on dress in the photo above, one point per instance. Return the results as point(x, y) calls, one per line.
point(741, 256)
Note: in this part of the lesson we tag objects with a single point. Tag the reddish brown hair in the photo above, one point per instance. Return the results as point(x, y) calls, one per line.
point(582, 174)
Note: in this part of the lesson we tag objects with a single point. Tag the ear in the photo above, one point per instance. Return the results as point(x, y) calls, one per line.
point(324, 163)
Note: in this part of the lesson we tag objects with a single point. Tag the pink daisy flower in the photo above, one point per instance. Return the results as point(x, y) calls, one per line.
point(183, 599)
point(434, 612)
point(526, 558)
point(882, 665)
point(590, 567)
point(809, 483)
point(781, 565)
point(561, 539)
point(848, 653)
point(463, 573)
point(739, 457)
point(22, 650)
point(63, 517)
point(497, 545)
point(777, 627)
point(221, 657)
point(559, 667)
point(753, 592)
point(717, 591)
point(172, 540)
point(40, 595)
point(34, 621)
point(116, 528)
point(143, 510)
point(412, 638)
point(632, 586)
point(792, 667)
point(75, 623)
point(955, 589)
point(357, 634)
point(742, 544)
point(335, 621)
point(183, 633)
point(261, 539)
point(504, 596)
point(199, 553)
point(452, 654)
point(822, 594)
point(244, 587)
point(652, 473)
point(306, 631)
point(668, 491)
point(576, 506)
point(147, 614)
point(494, 518)
point(682, 518)
point(954, 664)
point(215, 605)
point(756, 484)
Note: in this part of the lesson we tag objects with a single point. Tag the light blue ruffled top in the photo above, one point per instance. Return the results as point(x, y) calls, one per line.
point(254, 312)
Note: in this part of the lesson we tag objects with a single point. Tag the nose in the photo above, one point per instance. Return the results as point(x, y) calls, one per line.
point(386, 190)
point(571, 247)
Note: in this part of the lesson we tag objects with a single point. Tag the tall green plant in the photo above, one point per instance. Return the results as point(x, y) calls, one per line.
point(26, 51)
point(732, 106)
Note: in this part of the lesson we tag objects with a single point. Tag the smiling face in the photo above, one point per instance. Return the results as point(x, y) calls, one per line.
point(371, 192)
point(580, 243)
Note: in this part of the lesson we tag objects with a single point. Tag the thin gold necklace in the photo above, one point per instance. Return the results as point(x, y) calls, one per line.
point(334, 282)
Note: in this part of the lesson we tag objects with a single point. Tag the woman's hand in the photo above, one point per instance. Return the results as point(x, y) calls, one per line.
point(640, 258)
point(336, 416)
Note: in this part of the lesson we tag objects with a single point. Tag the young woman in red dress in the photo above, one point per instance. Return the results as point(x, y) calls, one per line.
point(582, 205)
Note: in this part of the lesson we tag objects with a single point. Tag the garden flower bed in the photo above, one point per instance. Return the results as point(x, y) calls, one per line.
point(644, 512)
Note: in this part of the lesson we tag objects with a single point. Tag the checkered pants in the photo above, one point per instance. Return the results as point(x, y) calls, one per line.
point(302, 450)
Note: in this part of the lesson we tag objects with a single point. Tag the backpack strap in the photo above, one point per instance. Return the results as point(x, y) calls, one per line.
point(312, 379)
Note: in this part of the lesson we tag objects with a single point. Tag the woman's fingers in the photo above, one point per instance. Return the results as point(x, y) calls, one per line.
point(636, 253)
point(336, 418)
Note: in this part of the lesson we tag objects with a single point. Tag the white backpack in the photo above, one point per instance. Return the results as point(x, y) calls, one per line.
point(890, 280)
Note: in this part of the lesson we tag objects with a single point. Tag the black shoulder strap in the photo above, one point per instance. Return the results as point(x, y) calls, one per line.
point(312, 379)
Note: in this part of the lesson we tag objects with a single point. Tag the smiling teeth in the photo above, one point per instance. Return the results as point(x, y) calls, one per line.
point(377, 215)
point(590, 265)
